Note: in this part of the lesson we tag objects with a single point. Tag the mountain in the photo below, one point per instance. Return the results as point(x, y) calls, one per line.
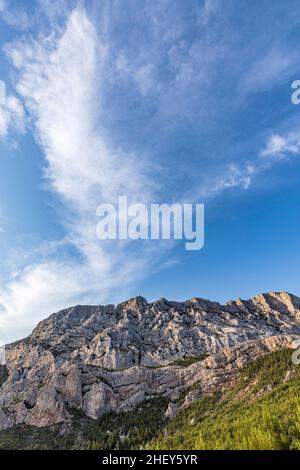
point(90, 361)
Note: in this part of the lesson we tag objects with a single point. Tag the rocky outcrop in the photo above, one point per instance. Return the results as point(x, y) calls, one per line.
point(105, 358)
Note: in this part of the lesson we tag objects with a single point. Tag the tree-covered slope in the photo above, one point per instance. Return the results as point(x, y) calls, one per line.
point(261, 411)
point(125, 430)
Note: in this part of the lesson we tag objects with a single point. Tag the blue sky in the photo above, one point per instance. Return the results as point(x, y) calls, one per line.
point(162, 101)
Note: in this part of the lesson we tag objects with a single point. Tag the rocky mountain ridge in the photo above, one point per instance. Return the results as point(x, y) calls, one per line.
point(110, 358)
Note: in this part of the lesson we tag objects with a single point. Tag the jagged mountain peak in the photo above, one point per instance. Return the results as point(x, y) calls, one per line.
point(135, 303)
point(79, 314)
point(138, 315)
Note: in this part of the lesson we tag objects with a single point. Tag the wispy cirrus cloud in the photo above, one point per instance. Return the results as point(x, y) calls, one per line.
point(59, 79)
point(241, 175)
point(280, 146)
point(14, 16)
point(3, 5)
point(271, 69)
point(11, 112)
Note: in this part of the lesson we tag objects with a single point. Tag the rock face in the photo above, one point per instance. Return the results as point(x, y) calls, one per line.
point(106, 358)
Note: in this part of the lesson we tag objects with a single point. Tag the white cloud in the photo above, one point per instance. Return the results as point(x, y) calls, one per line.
point(169, 65)
point(3, 5)
point(60, 83)
point(15, 16)
point(279, 146)
point(209, 9)
point(233, 175)
point(236, 176)
point(271, 69)
point(241, 175)
point(11, 112)
point(3, 220)
point(38, 290)
point(144, 79)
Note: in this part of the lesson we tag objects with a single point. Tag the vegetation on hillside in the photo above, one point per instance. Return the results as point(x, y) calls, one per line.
point(261, 412)
point(129, 430)
point(125, 430)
